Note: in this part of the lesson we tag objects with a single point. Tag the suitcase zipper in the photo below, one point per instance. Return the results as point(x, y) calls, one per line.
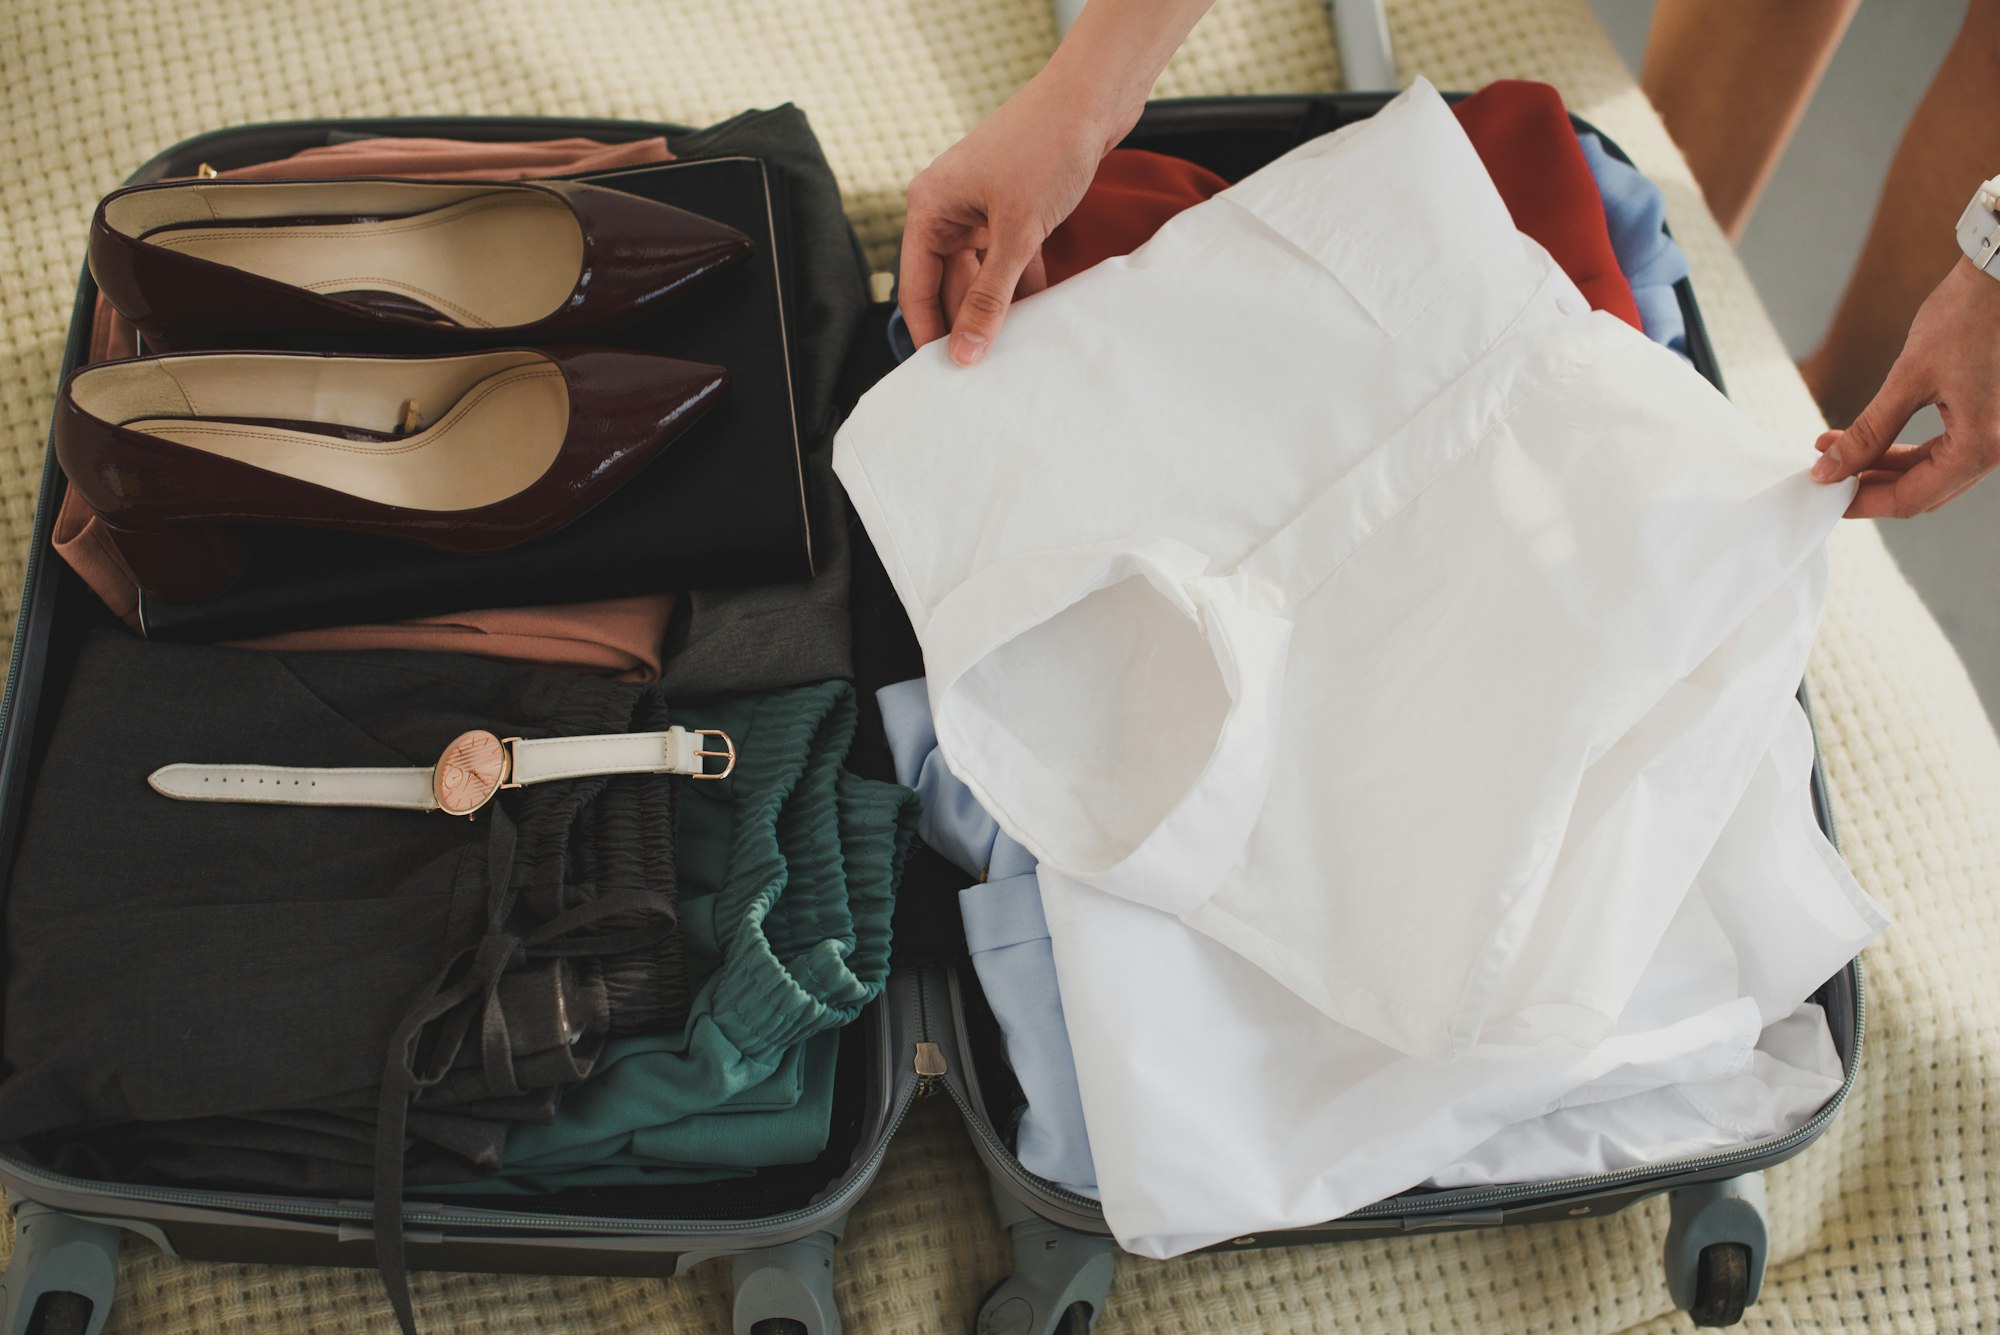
point(930, 1069)
point(931, 1077)
point(928, 1057)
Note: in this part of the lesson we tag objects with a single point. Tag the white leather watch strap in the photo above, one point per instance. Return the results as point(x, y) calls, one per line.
point(472, 769)
point(541, 759)
point(407, 788)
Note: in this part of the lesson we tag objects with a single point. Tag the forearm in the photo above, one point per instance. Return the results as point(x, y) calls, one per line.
point(1731, 79)
point(1951, 145)
point(1108, 63)
point(979, 214)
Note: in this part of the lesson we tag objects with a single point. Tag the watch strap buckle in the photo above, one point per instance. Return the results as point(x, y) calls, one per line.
point(726, 754)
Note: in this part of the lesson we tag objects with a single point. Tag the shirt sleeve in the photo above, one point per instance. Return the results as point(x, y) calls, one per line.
point(1115, 708)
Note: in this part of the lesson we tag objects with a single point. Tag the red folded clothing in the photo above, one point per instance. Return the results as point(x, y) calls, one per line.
point(1520, 130)
point(1524, 137)
point(1131, 197)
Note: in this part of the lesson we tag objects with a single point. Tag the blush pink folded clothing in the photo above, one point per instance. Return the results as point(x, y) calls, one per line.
point(457, 159)
point(619, 637)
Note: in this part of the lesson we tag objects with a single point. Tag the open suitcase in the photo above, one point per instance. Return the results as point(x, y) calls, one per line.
point(929, 1032)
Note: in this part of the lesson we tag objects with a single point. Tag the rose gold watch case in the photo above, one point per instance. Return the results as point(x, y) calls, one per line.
point(472, 769)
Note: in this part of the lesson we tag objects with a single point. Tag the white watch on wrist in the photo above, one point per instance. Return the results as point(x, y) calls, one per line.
point(1979, 227)
point(475, 767)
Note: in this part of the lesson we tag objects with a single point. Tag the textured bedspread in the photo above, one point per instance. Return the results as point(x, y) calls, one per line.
point(1889, 1221)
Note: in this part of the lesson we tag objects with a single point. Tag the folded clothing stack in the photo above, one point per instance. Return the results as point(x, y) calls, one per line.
point(212, 997)
point(787, 876)
point(251, 961)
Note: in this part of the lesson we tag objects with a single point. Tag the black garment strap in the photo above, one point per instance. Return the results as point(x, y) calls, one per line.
point(473, 976)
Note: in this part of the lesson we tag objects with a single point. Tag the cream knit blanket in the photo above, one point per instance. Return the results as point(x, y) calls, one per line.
point(1888, 1221)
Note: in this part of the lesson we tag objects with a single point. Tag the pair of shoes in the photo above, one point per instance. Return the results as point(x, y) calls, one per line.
point(460, 449)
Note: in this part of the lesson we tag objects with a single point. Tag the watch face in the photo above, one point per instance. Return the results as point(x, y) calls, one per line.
point(469, 772)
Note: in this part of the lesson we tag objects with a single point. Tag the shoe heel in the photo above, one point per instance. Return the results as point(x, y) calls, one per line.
point(184, 563)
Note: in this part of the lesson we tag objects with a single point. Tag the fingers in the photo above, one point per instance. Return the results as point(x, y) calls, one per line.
point(1908, 481)
point(1034, 278)
point(1856, 449)
point(919, 280)
point(959, 273)
point(984, 309)
point(962, 269)
point(1901, 458)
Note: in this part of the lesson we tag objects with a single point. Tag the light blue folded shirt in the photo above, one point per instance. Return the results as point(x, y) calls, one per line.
point(1008, 939)
point(1635, 213)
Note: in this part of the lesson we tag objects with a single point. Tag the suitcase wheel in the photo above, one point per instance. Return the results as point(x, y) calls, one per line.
point(787, 1290)
point(1722, 1285)
point(1060, 1282)
point(62, 1274)
point(1716, 1245)
point(61, 1313)
point(1003, 1312)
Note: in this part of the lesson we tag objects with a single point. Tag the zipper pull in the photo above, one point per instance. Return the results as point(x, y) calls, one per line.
point(930, 1068)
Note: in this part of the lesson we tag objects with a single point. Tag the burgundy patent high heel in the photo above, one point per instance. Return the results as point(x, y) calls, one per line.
point(412, 264)
point(183, 563)
point(468, 453)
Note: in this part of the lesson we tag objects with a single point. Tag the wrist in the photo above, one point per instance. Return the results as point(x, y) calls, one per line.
point(1979, 229)
point(1101, 102)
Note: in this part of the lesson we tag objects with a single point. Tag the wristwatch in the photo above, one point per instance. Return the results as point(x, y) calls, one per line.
point(475, 767)
point(1979, 227)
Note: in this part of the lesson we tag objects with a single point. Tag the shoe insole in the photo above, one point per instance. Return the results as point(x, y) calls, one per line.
point(487, 262)
point(496, 440)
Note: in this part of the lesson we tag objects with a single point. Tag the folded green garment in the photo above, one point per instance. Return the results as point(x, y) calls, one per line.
point(787, 875)
point(781, 1120)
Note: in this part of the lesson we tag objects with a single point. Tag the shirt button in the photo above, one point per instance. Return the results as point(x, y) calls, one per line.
point(1572, 303)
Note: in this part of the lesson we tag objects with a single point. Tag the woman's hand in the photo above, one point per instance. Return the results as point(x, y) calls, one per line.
point(1951, 358)
point(979, 214)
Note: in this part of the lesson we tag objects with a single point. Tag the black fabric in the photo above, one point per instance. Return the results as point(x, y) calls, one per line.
point(757, 639)
point(320, 1154)
point(723, 506)
point(182, 960)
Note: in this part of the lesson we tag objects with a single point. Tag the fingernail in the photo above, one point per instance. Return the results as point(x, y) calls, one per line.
point(1827, 467)
point(967, 349)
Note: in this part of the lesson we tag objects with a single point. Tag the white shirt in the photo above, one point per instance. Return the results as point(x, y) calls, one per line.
point(1370, 641)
